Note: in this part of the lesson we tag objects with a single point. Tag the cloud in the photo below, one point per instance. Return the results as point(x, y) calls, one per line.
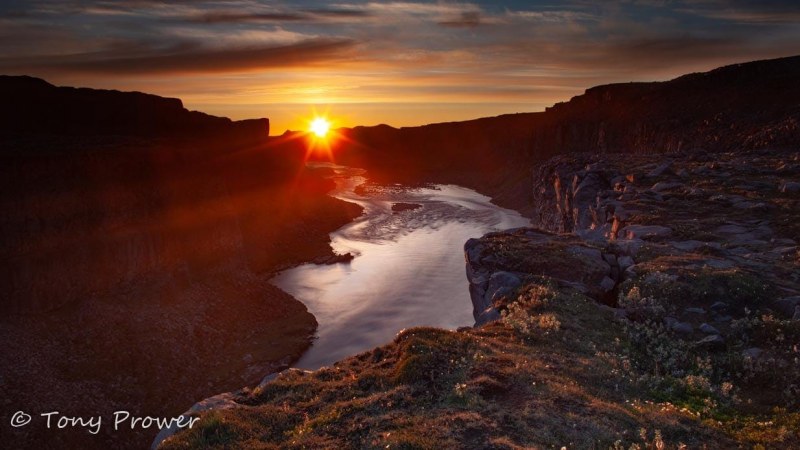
point(467, 19)
point(305, 15)
point(189, 58)
point(745, 12)
point(363, 51)
point(215, 17)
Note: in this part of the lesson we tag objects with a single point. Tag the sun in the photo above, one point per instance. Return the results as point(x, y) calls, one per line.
point(320, 127)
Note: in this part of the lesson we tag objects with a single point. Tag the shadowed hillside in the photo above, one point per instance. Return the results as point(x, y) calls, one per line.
point(136, 241)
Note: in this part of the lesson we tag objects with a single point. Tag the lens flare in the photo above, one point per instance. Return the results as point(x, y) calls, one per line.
point(320, 127)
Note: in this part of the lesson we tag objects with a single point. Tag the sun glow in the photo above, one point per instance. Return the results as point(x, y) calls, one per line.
point(322, 136)
point(320, 127)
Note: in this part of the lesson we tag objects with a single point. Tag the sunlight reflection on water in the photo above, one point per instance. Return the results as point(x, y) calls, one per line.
point(408, 270)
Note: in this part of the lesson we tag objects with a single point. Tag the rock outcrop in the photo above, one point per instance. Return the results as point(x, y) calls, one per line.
point(499, 263)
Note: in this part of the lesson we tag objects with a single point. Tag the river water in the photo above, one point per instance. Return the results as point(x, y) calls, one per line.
point(408, 268)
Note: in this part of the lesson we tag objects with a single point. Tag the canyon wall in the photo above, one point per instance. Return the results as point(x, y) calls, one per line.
point(749, 106)
point(103, 188)
point(136, 243)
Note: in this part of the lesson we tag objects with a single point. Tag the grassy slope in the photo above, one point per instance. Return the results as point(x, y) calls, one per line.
point(493, 387)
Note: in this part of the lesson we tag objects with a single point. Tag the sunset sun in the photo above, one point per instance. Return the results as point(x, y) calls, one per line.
point(320, 127)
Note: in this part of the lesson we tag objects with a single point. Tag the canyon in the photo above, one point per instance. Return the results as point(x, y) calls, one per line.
point(658, 290)
point(655, 304)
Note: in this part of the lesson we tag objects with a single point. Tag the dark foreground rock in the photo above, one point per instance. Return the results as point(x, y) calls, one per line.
point(400, 207)
point(333, 259)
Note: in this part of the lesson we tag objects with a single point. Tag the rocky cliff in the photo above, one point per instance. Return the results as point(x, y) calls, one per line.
point(744, 106)
point(136, 243)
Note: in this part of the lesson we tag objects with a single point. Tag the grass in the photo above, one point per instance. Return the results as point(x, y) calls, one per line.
point(494, 387)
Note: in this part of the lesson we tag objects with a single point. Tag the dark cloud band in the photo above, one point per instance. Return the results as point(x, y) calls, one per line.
point(191, 58)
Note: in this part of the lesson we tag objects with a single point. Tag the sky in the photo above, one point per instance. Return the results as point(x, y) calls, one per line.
point(396, 62)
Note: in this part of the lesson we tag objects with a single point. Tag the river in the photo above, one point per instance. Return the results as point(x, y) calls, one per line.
point(408, 268)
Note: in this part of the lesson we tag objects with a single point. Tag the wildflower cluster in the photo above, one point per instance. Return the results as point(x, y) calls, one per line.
point(523, 314)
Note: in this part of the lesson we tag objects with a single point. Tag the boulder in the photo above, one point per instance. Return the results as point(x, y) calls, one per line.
point(684, 328)
point(718, 307)
point(719, 264)
point(752, 353)
point(490, 314)
point(786, 305)
point(625, 262)
point(611, 259)
point(687, 246)
point(790, 186)
point(223, 401)
point(708, 329)
point(472, 250)
point(731, 229)
point(501, 284)
point(663, 169)
point(645, 231)
point(694, 314)
point(400, 207)
point(666, 186)
point(607, 284)
point(333, 259)
point(712, 342)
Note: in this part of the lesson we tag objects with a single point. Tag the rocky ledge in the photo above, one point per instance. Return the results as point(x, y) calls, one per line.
point(695, 257)
point(655, 306)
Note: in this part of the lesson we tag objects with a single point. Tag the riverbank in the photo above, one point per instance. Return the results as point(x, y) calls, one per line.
point(665, 316)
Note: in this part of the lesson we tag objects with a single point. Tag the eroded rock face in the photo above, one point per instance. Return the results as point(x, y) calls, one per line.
point(686, 211)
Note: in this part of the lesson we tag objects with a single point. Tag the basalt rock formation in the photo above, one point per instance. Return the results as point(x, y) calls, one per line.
point(744, 106)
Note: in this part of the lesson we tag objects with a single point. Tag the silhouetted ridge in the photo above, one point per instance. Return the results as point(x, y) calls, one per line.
point(33, 106)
